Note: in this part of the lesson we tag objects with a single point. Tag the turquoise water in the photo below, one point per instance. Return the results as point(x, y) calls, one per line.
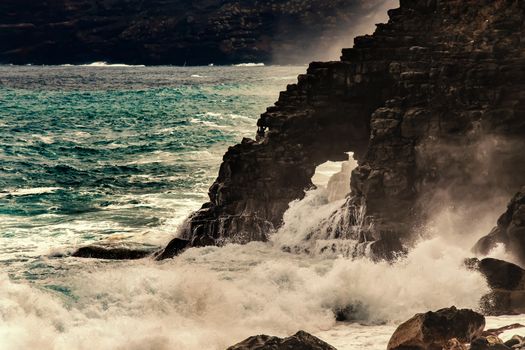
point(93, 154)
point(123, 155)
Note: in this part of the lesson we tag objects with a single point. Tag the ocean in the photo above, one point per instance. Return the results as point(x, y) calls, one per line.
point(121, 155)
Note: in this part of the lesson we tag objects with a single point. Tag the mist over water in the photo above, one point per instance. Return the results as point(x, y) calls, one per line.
point(123, 154)
point(370, 13)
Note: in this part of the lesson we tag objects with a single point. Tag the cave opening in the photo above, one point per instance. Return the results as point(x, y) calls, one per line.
point(335, 177)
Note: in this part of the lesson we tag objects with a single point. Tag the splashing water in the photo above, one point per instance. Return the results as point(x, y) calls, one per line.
point(55, 194)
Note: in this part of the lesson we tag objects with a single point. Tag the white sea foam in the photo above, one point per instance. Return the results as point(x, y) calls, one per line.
point(249, 65)
point(105, 64)
point(212, 297)
point(29, 191)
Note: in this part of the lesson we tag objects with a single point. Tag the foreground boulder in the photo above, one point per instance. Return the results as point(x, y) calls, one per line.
point(507, 282)
point(299, 341)
point(434, 330)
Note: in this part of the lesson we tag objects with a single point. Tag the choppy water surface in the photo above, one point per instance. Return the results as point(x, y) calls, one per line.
point(123, 154)
point(91, 153)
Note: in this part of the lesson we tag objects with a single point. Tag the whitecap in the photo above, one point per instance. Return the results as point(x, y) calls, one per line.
point(249, 65)
point(105, 64)
point(29, 191)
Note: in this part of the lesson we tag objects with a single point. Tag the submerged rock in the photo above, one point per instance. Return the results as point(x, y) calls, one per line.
point(299, 341)
point(434, 330)
point(114, 253)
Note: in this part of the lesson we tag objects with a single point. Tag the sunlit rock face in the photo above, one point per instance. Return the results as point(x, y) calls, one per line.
point(431, 105)
point(177, 32)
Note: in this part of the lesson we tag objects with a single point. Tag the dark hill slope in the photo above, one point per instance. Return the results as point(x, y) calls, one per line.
point(176, 32)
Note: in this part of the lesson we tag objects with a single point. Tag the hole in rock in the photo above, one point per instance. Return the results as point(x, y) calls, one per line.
point(335, 177)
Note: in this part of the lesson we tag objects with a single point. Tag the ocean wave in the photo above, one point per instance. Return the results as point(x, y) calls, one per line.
point(249, 65)
point(29, 191)
point(105, 64)
point(219, 296)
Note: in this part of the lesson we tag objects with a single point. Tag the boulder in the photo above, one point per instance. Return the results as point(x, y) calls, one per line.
point(507, 282)
point(434, 330)
point(516, 341)
point(114, 253)
point(299, 341)
point(488, 343)
point(502, 274)
point(174, 248)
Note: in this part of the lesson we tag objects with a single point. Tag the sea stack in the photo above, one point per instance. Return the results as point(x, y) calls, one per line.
point(432, 103)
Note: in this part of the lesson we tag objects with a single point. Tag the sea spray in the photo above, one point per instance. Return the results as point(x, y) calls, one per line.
point(157, 169)
point(211, 297)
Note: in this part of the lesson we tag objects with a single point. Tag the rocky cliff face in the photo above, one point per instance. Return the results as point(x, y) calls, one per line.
point(174, 31)
point(431, 104)
point(510, 230)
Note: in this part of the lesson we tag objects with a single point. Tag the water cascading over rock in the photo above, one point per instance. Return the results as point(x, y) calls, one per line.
point(431, 103)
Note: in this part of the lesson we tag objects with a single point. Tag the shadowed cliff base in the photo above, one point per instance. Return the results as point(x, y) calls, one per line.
point(180, 32)
point(432, 107)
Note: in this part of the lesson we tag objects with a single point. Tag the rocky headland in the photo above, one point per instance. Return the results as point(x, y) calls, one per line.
point(176, 32)
point(431, 106)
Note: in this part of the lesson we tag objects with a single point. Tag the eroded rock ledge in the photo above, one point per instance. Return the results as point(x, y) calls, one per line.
point(431, 104)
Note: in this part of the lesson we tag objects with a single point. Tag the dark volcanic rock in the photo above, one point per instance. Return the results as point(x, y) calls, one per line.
point(488, 343)
point(433, 330)
point(510, 230)
point(300, 341)
point(432, 103)
point(175, 247)
point(174, 32)
point(113, 253)
point(502, 275)
point(507, 282)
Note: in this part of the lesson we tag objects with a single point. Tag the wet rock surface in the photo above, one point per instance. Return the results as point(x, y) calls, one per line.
point(177, 32)
point(507, 282)
point(432, 103)
point(300, 341)
point(107, 252)
point(174, 248)
point(436, 330)
point(510, 230)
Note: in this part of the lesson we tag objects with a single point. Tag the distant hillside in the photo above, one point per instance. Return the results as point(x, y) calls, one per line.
point(180, 31)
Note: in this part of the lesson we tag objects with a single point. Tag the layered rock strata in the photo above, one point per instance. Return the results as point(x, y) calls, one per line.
point(431, 105)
